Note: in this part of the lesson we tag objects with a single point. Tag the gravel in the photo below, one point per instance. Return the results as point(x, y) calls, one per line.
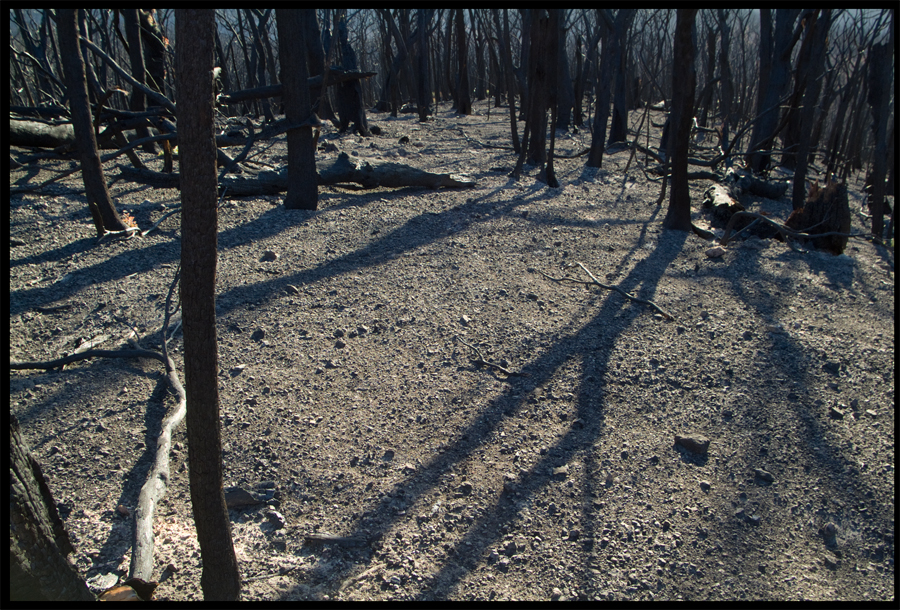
point(744, 450)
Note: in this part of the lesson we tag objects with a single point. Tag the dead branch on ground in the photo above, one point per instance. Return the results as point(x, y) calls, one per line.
point(631, 297)
point(782, 230)
point(157, 480)
point(481, 360)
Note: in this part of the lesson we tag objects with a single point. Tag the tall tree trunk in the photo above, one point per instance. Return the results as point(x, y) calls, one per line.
point(302, 189)
point(38, 541)
point(423, 95)
point(773, 88)
point(684, 77)
point(194, 55)
point(879, 98)
point(810, 98)
point(603, 90)
point(463, 93)
point(791, 135)
point(349, 95)
point(103, 211)
point(506, 56)
point(136, 56)
point(618, 129)
point(565, 94)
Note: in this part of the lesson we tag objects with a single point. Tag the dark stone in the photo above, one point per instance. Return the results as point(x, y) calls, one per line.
point(693, 442)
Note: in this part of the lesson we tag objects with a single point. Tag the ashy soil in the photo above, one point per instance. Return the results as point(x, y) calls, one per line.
point(347, 391)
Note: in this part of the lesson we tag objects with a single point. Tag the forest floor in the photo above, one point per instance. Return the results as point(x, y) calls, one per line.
point(345, 383)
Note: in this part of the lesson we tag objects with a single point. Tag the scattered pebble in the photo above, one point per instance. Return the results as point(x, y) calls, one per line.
point(693, 442)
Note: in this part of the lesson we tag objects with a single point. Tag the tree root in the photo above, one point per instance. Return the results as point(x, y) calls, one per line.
point(665, 313)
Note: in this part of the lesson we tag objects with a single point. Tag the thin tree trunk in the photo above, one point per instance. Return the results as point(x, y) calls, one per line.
point(678, 216)
point(194, 59)
point(103, 211)
point(302, 190)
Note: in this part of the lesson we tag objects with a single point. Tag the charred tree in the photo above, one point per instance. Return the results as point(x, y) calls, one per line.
point(349, 95)
point(603, 91)
point(506, 58)
point(684, 77)
point(103, 211)
point(564, 89)
point(775, 57)
point(194, 55)
point(136, 56)
point(804, 77)
point(38, 541)
point(879, 101)
point(423, 91)
point(826, 210)
point(618, 128)
point(302, 190)
point(819, 33)
point(463, 91)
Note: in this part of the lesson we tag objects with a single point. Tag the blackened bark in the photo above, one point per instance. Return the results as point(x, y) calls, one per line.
point(103, 211)
point(603, 90)
point(349, 95)
point(779, 63)
point(506, 57)
point(136, 56)
point(618, 128)
point(878, 98)
point(819, 34)
point(463, 93)
point(154, 46)
point(194, 55)
point(565, 94)
point(302, 190)
point(38, 541)
point(678, 216)
point(792, 132)
point(423, 93)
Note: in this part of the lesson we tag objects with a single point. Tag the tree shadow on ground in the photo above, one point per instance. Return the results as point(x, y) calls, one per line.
point(591, 345)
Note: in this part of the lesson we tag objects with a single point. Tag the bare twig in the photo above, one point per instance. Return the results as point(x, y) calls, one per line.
point(481, 360)
point(665, 313)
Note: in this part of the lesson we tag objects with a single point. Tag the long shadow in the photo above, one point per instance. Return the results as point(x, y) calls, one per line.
point(592, 343)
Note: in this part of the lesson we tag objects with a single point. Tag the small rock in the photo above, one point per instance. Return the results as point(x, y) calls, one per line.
point(555, 594)
point(830, 530)
point(338, 333)
point(833, 368)
point(269, 255)
point(835, 413)
point(465, 488)
point(275, 518)
point(696, 443)
point(464, 320)
point(562, 471)
point(704, 485)
point(715, 252)
point(122, 510)
point(764, 475)
point(871, 413)
point(339, 344)
point(408, 468)
point(574, 534)
point(258, 335)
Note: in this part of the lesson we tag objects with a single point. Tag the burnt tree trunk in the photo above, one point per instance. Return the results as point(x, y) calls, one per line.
point(136, 56)
point(349, 95)
point(684, 76)
point(603, 90)
point(810, 97)
point(506, 58)
point(463, 91)
point(618, 128)
point(879, 98)
point(772, 88)
point(792, 133)
point(103, 211)
point(38, 541)
point(423, 92)
point(302, 190)
point(194, 55)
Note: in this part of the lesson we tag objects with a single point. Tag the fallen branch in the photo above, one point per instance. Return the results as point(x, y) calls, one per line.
point(157, 480)
point(481, 360)
point(665, 313)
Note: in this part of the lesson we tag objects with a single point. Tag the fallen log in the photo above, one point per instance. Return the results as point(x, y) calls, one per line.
point(340, 171)
point(334, 77)
point(36, 134)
